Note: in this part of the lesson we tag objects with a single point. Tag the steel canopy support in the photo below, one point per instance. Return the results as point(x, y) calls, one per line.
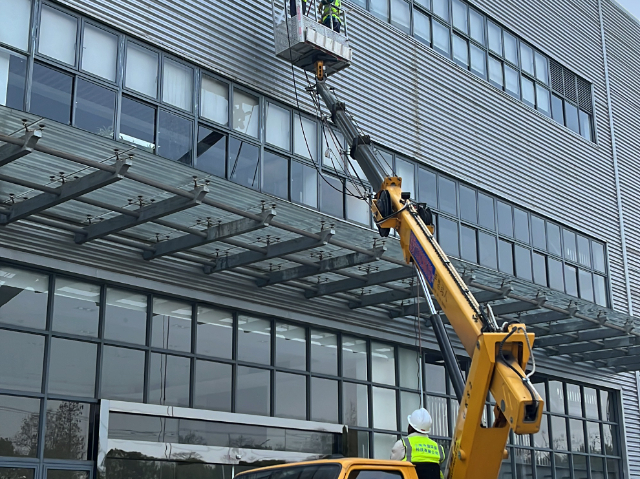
point(517, 306)
point(546, 317)
point(213, 234)
point(145, 214)
point(275, 250)
point(65, 192)
point(11, 152)
point(372, 279)
point(381, 298)
point(323, 266)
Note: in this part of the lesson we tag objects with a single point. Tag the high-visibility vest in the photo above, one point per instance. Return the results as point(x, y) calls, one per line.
point(332, 8)
point(421, 449)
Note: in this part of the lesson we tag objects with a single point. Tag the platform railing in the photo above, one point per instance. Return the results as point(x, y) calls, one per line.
point(313, 8)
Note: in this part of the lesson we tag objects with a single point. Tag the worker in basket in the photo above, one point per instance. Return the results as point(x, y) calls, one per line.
point(418, 448)
point(330, 11)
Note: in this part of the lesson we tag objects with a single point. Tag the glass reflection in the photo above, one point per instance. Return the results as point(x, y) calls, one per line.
point(169, 380)
point(72, 369)
point(212, 151)
point(383, 364)
point(384, 407)
point(122, 374)
point(291, 395)
point(291, 346)
point(324, 352)
point(409, 368)
point(95, 108)
point(76, 307)
point(254, 340)
point(354, 357)
point(67, 430)
point(409, 402)
point(324, 400)
point(213, 386)
point(21, 359)
point(125, 316)
point(355, 404)
point(23, 297)
point(244, 163)
point(19, 420)
point(253, 391)
point(215, 332)
point(171, 325)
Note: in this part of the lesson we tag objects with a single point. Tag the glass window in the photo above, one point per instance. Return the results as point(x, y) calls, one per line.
point(476, 23)
point(571, 117)
point(95, 108)
point(72, 368)
point(383, 369)
point(253, 391)
point(67, 430)
point(541, 438)
point(478, 61)
point(526, 55)
point(523, 262)
point(21, 357)
point(214, 100)
point(291, 346)
point(460, 16)
point(570, 279)
point(19, 419)
point(438, 408)
point(556, 109)
point(333, 149)
point(324, 352)
point(57, 35)
point(384, 409)
point(23, 297)
point(137, 124)
point(332, 197)
point(570, 252)
point(553, 239)
point(76, 307)
point(521, 225)
point(555, 274)
point(585, 125)
point(380, 8)
point(354, 358)
point(291, 395)
point(594, 440)
point(324, 400)
point(171, 325)
point(486, 215)
point(427, 187)
point(460, 51)
point(358, 209)
point(447, 195)
point(574, 400)
point(542, 68)
point(99, 52)
point(177, 84)
point(212, 151)
point(212, 386)
point(559, 431)
point(382, 444)
point(141, 72)
point(511, 81)
point(495, 38)
point(505, 252)
point(174, 137)
point(406, 171)
point(51, 94)
point(274, 175)
point(246, 113)
point(16, 32)
point(448, 236)
point(409, 368)
point(468, 204)
point(510, 48)
point(528, 92)
point(305, 137)
point(598, 256)
point(409, 402)
point(244, 163)
point(355, 404)
point(441, 8)
point(421, 27)
point(122, 374)
point(538, 233)
point(539, 269)
point(505, 220)
point(254, 340)
point(542, 100)
point(169, 380)
point(441, 37)
point(278, 126)
point(304, 184)
point(435, 378)
point(215, 332)
point(468, 245)
point(487, 249)
point(401, 15)
point(495, 72)
point(13, 74)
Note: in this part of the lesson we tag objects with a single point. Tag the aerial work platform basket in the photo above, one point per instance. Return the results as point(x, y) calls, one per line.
point(302, 40)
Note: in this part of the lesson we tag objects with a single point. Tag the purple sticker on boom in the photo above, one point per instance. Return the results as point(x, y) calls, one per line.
point(422, 260)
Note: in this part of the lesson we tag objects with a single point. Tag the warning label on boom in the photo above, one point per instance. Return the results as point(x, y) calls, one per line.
point(422, 260)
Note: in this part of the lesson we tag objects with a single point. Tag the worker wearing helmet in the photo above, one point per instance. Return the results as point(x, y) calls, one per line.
point(330, 11)
point(418, 448)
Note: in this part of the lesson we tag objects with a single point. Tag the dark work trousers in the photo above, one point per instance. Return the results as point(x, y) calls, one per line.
point(336, 24)
point(292, 8)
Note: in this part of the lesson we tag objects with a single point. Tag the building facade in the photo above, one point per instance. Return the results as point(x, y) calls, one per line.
point(190, 280)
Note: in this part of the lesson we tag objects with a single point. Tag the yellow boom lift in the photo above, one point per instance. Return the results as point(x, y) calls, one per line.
point(499, 355)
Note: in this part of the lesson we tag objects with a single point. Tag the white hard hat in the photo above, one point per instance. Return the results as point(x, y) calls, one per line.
point(420, 420)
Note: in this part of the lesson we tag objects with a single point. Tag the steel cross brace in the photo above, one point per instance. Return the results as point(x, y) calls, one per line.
point(10, 152)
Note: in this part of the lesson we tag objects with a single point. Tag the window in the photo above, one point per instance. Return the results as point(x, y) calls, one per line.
point(495, 73)
point(99, 52)
point(304, 184)
point(468, 204)
point(244, 163)
point(177, 84)
point(16, 32)
point(254, 340)
point(122, 374)
point(556, 280)
point(354, 358)
point(51, 94)
point(478, 61)
point(25, 297)
point(305, 139)
point(441, 8)
point(215, 332)
point(380, 8)
point(13, 75)
point(421, 27)
point(137, 124)
point(212, 151)
point(542, 100)
point(405, 170)
point(511, 81)
point(324, 352)
point(355, 404)
point(278, 126)
point(275, 172)
point(585, 125)
point(495, 38)
point(586, 285)
point(553, 239)
point(291, 395)
point(384, 400)
point(427, 192)
point(526, 56)
point(291, 346)
point(476, 23)
point(76, 307)
point(528, 92)
point(141, 72)
point(505, 256)
point(486, 215)
point(324, 400)
point(523, 262)
point(542, 68)
point(401, 15)
point(246, 113)
point(61, 442)
point(539, 269)
point(556, 109)
point(72, 369)
point(460, 51)
point(57, 36)
point(460, 16)
point(253, 391)
point(212, 386)
point(441, 38)
point(383, 362)
point(570, 280)
point(171, 325)
point(571, 117)
point(468, 248)
point(214, 100)
point(174, 137)
point(332, 197)
point(521, 225)
point(333, 150)
point(21, 359)
point(487, 249)
point(410, 369)
point(448, 236)
point(598, 256)
point(505, 219)
point(510, 48)
point(169, 380)
point(125, 317)
point(357, 207)
point(19, 419)
point(447, 195)
point(95, 108)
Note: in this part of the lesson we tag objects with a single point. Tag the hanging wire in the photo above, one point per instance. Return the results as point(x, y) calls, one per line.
point(418, 320)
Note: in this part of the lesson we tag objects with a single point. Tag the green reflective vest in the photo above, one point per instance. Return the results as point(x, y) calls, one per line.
point(331, 8)
point(422, 449)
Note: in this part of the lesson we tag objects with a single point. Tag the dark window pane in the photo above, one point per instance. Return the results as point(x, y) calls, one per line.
point(19, 419)
point(332, 198)
point(254, 340)
point(212, 151)
point(23, 297)
point(76, 307)
point(521, 225)
point(291, 346)
point(409, 360)
point(324, 352)
point(447, 195)
point(62, 474)
point(505, 219)
point(67, 430)
point(556, 280)
point(253, 391)
point(174, 137)
point(125, 316)
point(215, 332)
point(72, 368)
point(213, 386)
point(274, 175)
point(95, 107)
point(486, 216)
point(584, 256)
point(138, 124)
point(122, 374)
point(487, 248)
point(13, 72)
point(171, 325)
point(468, 204)
point(16, 473)
point(291, 396)
point(599, 290)
point(505, 252)
point(556, 109)
point(570, 279)
point(355, 404)
point(539, 269)
point(523, 262)
point(468, 244)
point(448, 236)
point(354, 358)
point(244, 163)
point(169, 380)
point(613, 468)
point(571, 117)
point(324, 400)
point(553, 239)
point(570, 252)
point(538, 233)
point(585, 125)
point(559, 433)
point(304, 184)
point(427, 188)
point(21, 357)
point(51, 94)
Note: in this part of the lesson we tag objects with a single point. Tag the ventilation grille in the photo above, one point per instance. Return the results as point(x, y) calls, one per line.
point(570, 86)
point(584, 96)
point(556, 77)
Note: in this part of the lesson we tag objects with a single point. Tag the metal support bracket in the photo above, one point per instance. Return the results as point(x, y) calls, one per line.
point(10, 152)
point(372, 279)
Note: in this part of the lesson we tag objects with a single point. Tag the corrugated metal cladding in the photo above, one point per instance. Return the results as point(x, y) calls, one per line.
point(410, 99)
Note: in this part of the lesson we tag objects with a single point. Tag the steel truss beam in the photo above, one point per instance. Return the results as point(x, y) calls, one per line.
point(517, 306)
point(410, 310)
point(372, 279)
point(546, 317)
point(322, 266)
point(611, 353)
point(10, 152)
point(67, 191)
point(274, 250)
point(624, 361)
point(145, 214)
point(210, 235)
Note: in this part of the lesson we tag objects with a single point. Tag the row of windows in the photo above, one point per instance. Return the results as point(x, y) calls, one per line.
point(475, 42)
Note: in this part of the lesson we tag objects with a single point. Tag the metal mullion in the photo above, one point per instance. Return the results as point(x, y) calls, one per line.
point(192, 358)
point(100, 347)
point(147, 365)
point(234, 356)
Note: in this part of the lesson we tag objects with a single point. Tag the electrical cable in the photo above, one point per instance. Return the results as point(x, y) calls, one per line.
point(420, 384)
